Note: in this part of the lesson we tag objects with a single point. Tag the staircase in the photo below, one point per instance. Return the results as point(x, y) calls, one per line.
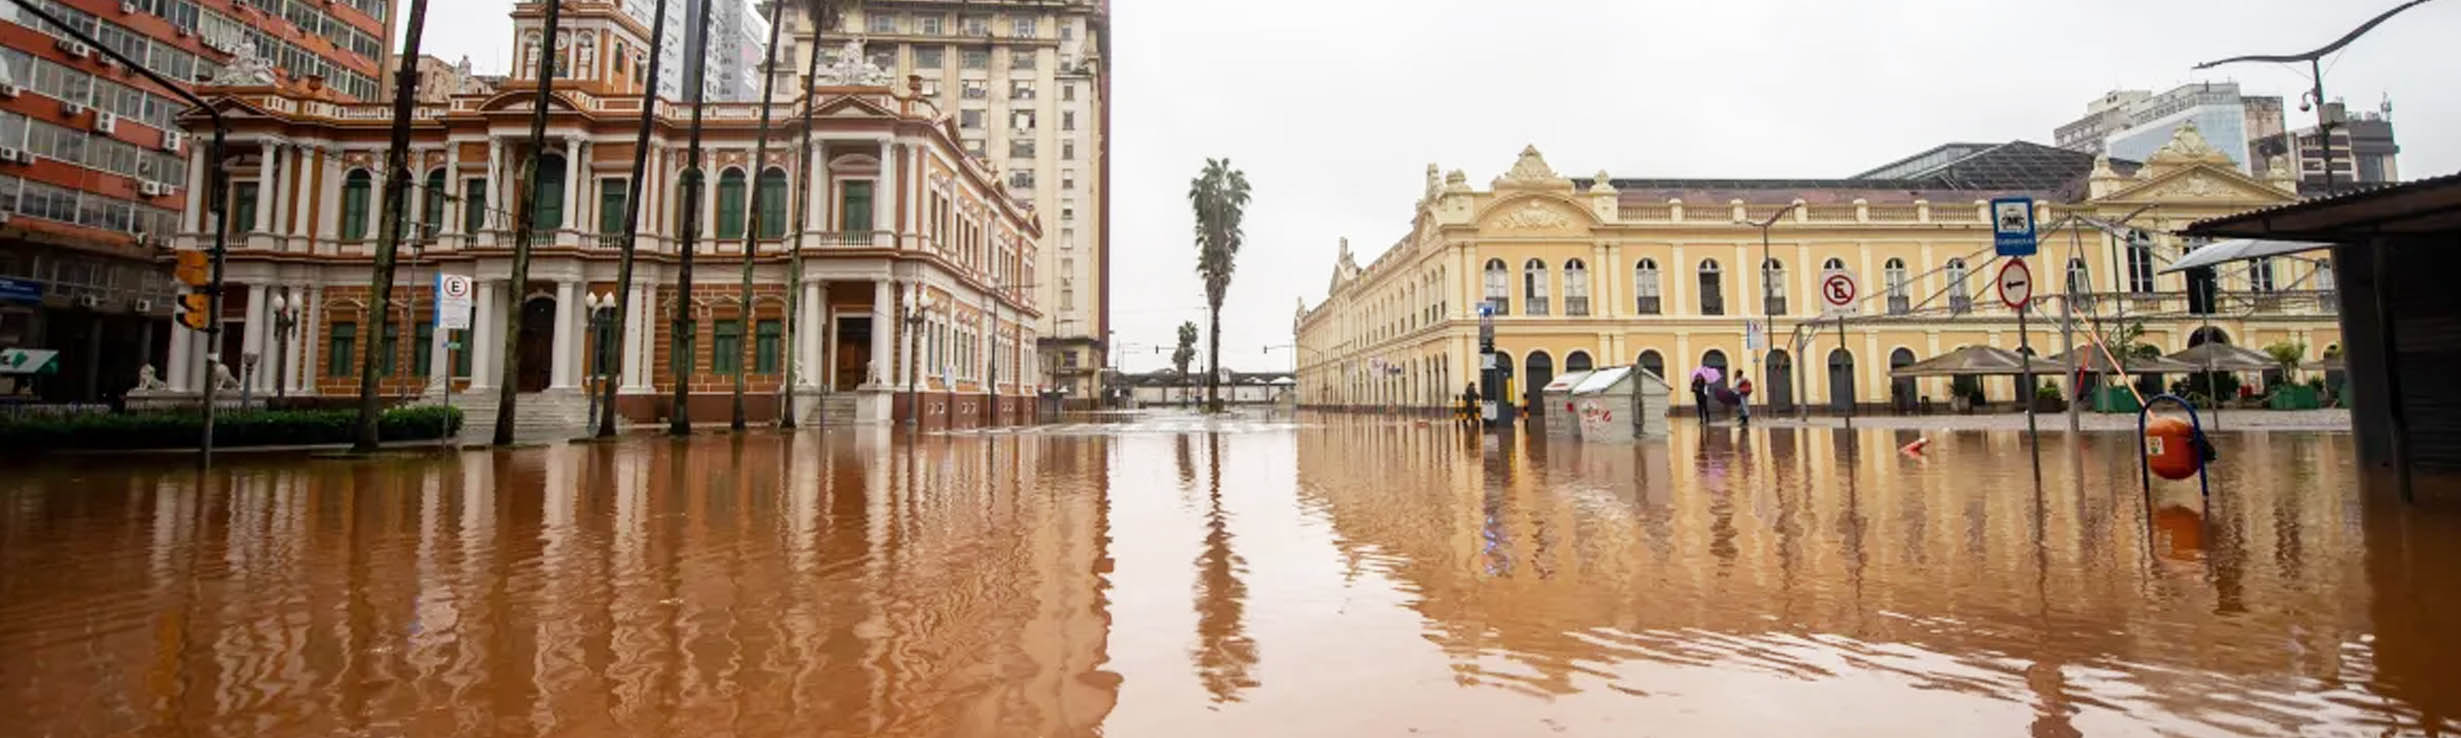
point(543, 416)
point(837, 408)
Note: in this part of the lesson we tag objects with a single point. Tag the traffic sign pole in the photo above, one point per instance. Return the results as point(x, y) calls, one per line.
point(2016, 288)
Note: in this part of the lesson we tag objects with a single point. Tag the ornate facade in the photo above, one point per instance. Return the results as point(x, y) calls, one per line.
point(1594, 272)
point(910, 267)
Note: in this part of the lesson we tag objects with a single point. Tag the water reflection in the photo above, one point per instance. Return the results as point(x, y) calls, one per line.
point(1331, 576)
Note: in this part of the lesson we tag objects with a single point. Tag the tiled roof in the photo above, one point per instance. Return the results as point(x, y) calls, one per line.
point(2016, 167)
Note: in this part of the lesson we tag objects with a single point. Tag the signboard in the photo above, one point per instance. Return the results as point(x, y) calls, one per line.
point(2016, 284)
point(1752, 334)
point(453, 301)
point(1838, 290)
point(28, 361)
point(2012, 226)
point(20, 290)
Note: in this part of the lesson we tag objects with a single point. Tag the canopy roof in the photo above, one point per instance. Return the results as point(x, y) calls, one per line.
point(1976, 361)
point(2223, 357)
point(2239, 249)
point(2100, 363)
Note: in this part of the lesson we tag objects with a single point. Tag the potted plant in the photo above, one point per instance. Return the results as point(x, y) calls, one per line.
point(2048, 400)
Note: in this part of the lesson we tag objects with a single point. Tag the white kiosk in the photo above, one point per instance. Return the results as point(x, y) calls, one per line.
point(1562, 420)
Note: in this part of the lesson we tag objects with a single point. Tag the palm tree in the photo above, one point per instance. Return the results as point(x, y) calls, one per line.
point(632, 207)
point(1186, 352)
point(397, 185)
point(1220, 197)
point(752, 219)
point(822, 13)
point(679, 418)
point(525, 228)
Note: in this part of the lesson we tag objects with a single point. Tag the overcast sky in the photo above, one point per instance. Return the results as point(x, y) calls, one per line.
point(1334, 108)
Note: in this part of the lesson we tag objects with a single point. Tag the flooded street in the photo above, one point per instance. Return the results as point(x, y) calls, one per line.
point(1170, 575)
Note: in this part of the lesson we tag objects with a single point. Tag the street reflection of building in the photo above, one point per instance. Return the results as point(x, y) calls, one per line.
point(1602, 271)
point(915, 275)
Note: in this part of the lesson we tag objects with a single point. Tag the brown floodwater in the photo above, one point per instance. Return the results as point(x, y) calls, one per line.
point(1166, 575)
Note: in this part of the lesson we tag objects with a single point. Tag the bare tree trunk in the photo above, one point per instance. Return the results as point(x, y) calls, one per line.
point(752, 220)
point(679, 420)
point(397, 185)
point(525, 230)
point(632, 213)
point(1213, 357)
point(803, 219)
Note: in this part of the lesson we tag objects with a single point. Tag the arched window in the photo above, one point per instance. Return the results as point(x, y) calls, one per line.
point(1893, 275)
point(1959, 300)
point(1576, 288)
point(1712, 296)
point(730, 203)
point(1645, 287)
point(1773, 287)
point(1651, 362)
point(547, 208)
point(770, 196)
point(1715, 359)
point(2140, 263)
point(431, 205)
point(1578, 361)
point(1498, 288)
point(1834, 264)
point(1534, 379)
point(1534, 287)
point(1901, 390)
point(355, 186)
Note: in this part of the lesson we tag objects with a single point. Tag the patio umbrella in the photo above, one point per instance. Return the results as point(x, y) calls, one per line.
point(2100, 363)
point(1709, 374)
point(2223, 357)
point(1976, 361)
point(2239, 249)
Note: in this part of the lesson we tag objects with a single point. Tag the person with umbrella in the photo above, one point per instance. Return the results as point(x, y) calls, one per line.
point(1702, 379)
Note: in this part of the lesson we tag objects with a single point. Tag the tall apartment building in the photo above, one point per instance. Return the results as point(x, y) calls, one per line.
point(94, 169)
point(2364, 151)
point(738, 35)
point(2132, 124)
point(1026, 84)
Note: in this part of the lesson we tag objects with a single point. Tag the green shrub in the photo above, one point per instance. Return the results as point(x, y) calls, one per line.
point(181, 429)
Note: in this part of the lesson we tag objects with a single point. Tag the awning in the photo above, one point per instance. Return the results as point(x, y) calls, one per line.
point(2223, 357)
point(1976, 361)
point(2239, 249)
point(2100, 363)
point(2431, 205)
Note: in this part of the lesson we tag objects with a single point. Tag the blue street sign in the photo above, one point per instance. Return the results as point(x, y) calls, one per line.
point(2012, 226)
point(19, 290)
point(1486, 310)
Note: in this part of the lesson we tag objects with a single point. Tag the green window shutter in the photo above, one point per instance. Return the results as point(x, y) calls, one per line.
point(461, 356)
point(772, 201)
point(726, 347)
point(388, 348)
point(765, 341)
point(243, 207)
point(354, 205)
point(547, 208)
point(473, 206)
point(730, 204)
point(431, 204)
point(611, 201)
point(856, 204)
point(422, 348)
point(341, 343)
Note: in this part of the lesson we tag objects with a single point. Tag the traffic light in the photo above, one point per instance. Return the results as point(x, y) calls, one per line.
point(194, 269)
point(193, 310)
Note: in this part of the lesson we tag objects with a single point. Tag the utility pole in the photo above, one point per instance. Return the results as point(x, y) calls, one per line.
point(1745, 401)
point(2315, 68)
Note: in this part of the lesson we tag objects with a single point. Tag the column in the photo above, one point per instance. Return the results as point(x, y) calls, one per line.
point(253, 342)
point(884, 320)
point(816, 202)
point(811, 332)
point(574, 149)
point(269, 188)
point(884, 197)
point(637, 328)
point(197, 195)
point(329, 217)
point(303, 338)
point(175, 370)
point(439, 359)
point(485, 337)
point(566, 366)
point(452, 189)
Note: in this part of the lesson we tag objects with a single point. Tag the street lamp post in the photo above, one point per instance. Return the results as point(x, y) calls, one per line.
point(2315, 93)
point(916, 307)
point(601, 310)
point(285, 318)
point(1744, 401)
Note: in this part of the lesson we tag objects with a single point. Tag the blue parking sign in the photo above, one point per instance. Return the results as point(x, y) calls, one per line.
point(2012, 226)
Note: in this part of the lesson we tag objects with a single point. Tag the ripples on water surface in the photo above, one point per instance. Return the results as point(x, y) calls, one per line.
point(1331, 576)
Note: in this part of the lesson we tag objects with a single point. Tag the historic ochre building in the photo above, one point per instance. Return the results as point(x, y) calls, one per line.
point(1602, 271)
point(916, 265)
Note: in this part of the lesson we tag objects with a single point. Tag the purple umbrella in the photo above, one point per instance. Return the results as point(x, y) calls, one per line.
point(1709, 374)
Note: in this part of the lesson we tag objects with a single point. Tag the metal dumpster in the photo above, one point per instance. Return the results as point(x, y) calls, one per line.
point(1562, 421)
point(1603, 400)
point(1650, 397)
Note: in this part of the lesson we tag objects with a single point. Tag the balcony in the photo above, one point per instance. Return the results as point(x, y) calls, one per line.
point(845, 239)
point(1534, 305)
point(1647, 305)
point(1576, 306)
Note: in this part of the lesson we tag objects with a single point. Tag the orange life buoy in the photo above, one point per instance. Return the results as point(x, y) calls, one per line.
point(2170, 448)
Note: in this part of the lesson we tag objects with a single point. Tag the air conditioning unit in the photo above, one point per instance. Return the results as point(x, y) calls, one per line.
point(72, 109)
point(141, 305)
point(88, 302)
point(8, 154)
point(127, 8)
point(184, 32)
point(77, 49)
point(174, 141)
point(4, 217)
point(9, 90)
point(151, 189)
point(106, 122)
point(25, 156)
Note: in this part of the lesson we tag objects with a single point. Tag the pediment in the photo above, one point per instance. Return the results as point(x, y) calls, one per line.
point(1535, 216)
point(2202, 183)
point(850, 106)
point(522, 99)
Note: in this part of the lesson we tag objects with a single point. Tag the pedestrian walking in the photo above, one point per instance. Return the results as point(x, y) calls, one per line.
point(1743, 403)
point(1700, 397)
